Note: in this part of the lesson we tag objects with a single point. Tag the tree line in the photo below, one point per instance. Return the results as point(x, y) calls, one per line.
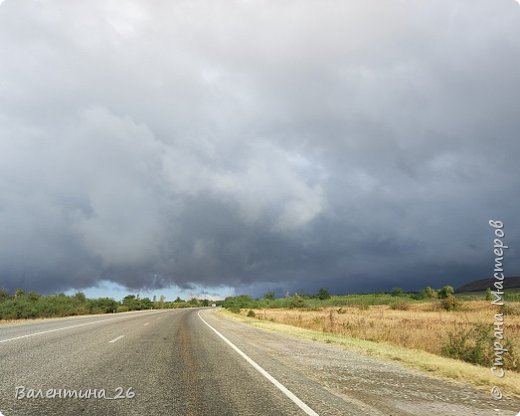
point(27, 305)
point(323, 298)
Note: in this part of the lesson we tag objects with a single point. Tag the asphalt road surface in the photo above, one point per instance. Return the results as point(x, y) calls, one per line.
point(195, 362)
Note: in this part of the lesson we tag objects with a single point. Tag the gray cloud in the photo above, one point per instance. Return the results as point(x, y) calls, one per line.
point(353, 145)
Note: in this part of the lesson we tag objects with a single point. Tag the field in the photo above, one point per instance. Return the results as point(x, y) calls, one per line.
point(464, 333)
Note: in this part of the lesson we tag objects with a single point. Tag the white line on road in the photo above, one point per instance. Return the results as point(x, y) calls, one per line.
point(146, 324)
point(116, 339)
point(268, 376)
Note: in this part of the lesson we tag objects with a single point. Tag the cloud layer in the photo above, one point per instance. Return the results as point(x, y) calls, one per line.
point(253, 144)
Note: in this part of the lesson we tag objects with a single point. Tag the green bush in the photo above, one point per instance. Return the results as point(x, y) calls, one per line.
point(26, 305)
point(102, 305)
point(270, 295)
point(323, 294)
point(397, 291)
point(475, 345)
point(446, 292)
point(512, 295)
point(4, 294)
point(450, 303)
point(296, 301)
point(241, 301)
point(429, 293)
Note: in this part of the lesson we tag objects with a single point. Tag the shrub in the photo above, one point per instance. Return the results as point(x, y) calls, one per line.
point(400, 306)
point(323, 294)
point(251, 314)
point(4, 294)
point(241, 301)
point(418, 296)
point(296, 301)
point(131, 302)
point(511, 296)
point(80, 297)
point(234, 309)
point(474, 345)
point(397, 291)
point(450, 303)
point(269, 295)
point(429, 293)
point(446, 292)
point(102, 305)
point(122, 308)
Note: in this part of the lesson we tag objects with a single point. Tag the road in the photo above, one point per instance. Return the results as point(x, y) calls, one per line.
point(194, 362)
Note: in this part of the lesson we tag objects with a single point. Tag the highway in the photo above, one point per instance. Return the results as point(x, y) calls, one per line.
point(173, 362)
point(193, 362)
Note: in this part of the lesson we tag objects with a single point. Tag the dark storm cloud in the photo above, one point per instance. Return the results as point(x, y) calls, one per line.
point(357, 145)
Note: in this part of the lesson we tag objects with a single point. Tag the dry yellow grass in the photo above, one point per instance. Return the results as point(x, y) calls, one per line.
point(422, 326)
point(434, 364)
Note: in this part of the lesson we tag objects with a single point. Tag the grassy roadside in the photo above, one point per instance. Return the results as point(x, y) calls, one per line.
point(432, 364)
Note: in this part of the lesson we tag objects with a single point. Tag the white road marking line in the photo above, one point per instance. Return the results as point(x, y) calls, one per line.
point(146, 324)
point(116, 339)
point(268, 376)
point(62, 329)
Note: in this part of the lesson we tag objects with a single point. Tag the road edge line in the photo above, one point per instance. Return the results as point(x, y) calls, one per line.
point(116, 339)
point(268, 376)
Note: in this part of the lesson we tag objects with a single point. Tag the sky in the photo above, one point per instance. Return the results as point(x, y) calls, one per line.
point(211, 147)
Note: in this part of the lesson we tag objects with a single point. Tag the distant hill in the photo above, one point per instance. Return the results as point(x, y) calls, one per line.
point(482, 284)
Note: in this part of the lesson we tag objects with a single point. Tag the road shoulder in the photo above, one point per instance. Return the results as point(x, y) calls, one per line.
point(420, 364)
